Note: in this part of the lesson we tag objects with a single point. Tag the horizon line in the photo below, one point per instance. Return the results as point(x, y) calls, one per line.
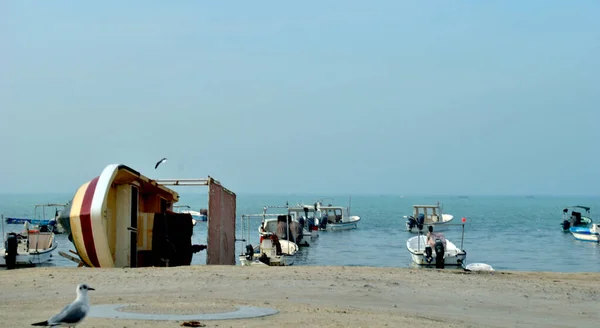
point(339, 194)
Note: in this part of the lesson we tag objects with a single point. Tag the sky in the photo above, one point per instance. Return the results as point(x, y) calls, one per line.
point(344, 97)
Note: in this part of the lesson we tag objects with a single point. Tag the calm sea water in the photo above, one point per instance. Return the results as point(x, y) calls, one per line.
point(509, 233)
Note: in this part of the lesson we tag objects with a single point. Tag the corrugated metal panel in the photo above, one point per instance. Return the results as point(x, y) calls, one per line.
point(221, 225)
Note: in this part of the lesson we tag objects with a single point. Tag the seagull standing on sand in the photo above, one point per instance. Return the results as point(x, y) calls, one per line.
point(72, 314)
point(159, 162)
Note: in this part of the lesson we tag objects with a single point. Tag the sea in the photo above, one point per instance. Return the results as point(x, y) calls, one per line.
point(520, 233)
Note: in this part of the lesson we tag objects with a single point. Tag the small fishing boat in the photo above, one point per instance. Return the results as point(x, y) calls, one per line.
point(591, 233)
point(427, 215)
point(327, 217)
point(576, 219)
point(10, 220)
point(201, 215)
point(39, 218)
point(442, 253)
point(29, 247)
point(271, 251)
point(286, 226)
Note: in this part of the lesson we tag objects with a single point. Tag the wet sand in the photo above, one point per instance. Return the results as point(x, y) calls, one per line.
point(312, 296)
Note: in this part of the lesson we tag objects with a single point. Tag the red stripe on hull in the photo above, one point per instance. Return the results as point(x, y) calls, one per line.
point(86, 223)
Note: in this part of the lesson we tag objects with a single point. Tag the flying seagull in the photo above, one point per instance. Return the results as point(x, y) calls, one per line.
point(73, 313)
point(159, 162)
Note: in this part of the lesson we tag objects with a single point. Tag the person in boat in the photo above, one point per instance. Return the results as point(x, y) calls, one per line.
point(293, 231)
point(282, 227)
point(575, 219)
point(432, 236)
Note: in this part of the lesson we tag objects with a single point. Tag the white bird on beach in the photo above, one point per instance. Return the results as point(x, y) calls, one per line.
point(72, 314)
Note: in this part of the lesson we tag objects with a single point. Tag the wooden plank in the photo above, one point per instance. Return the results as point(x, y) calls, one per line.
point(72, 258)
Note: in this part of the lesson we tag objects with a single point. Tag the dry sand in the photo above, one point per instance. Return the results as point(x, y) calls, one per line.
point(312, 296)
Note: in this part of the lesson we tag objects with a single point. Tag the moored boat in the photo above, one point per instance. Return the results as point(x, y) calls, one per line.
point(39, 218)
point(29, 247)
point(591, 233)
point(427, 215)
point(201, 215)
point(424, 254)
point(435, 249)
point(576, 219)
point(326, 217)
point(271, 251)
point(286, 226)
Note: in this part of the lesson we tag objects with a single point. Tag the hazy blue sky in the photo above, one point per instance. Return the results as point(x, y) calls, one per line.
point(387, 97)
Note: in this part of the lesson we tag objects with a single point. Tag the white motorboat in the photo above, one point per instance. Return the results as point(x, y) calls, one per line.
point(196, 215)
point(271, 251)
point(297, 230)
point(442, 253)
point(326, 217)
point(427, 215)
point(576, 219)
point(591, 233)
point(29, 247)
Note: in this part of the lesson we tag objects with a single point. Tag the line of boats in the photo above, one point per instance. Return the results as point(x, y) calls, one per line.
point(282, 234)
point(120, 219)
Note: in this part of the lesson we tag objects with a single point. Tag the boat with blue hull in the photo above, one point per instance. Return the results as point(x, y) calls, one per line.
point(586, 233)
point(23, 220)
point(40, 218)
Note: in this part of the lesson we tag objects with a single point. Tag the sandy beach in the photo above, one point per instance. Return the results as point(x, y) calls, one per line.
point(311, 296)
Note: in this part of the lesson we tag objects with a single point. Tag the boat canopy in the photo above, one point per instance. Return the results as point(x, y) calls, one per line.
point(586, 208)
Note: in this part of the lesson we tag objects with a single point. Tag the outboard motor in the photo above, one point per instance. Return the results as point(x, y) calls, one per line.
point(412, 222)
point(310, 222)
point(11, 245)
point(420, 221)
point(439, 254)
point(566, 224)
point(264, 259)
point(428, 254)
point(249, 252)
point(323, 223)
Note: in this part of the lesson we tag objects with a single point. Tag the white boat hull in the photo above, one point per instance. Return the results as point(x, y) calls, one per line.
point(452, 255)
point(586, 234)
point(196, 215)
point(267, 252)
point(282, 260)
point(352, 223)
point(32, 258)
